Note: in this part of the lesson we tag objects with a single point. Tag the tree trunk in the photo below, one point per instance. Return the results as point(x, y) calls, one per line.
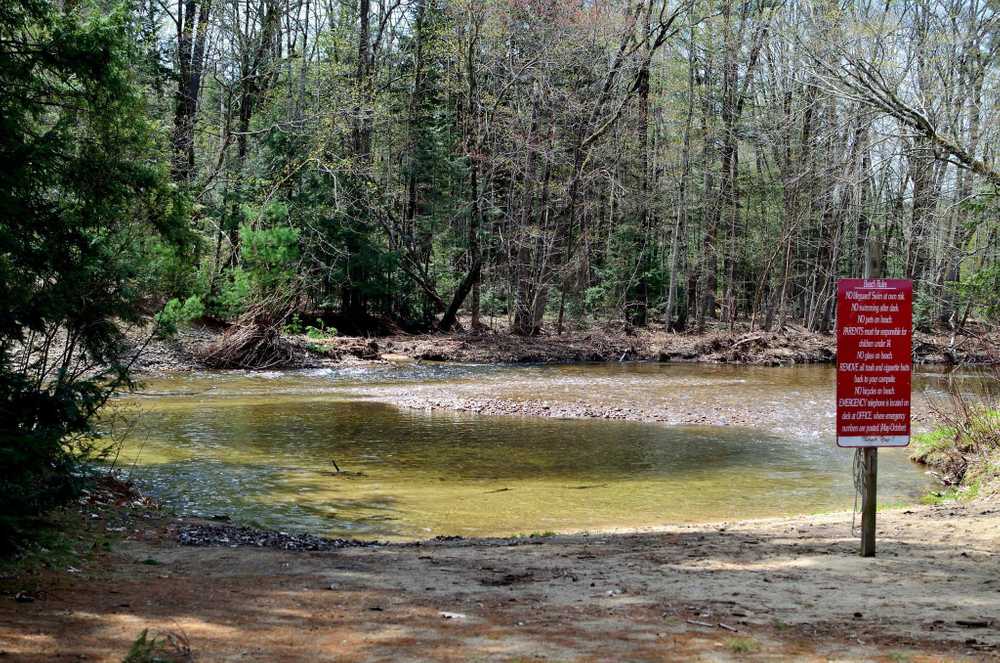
point(191, 38)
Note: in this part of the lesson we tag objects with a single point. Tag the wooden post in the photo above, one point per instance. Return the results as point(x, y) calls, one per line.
point(869, 492)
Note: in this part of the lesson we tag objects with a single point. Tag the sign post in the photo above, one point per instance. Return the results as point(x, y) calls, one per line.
point(874, 356)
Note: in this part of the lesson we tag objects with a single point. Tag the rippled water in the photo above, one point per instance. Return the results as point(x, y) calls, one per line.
point(258, 447)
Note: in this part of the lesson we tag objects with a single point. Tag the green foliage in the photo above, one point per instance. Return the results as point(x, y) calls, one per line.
point(493, 302)
point(317, 332)
point(234, 293)
point(320, 331)
point(270, 261)
point(743, 645)
point(294, 325)
point(171, 268)
point(940, 496)
point(928, 447)
point(981, 287)
point(923, 310)
point(967, 452)
point(176, 313)
point(159, 648)
point(82, 192)
point(270, 257)
point(268, 253)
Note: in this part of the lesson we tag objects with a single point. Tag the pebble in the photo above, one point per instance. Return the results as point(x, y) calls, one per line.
point(231, 536)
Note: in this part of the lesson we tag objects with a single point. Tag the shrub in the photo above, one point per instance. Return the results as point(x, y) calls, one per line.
point(965, 451)
point(269, 270)
point(176, 313)
point(321, 331)
point(163, 648)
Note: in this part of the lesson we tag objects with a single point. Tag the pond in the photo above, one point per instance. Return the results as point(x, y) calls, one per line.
point(260, 449)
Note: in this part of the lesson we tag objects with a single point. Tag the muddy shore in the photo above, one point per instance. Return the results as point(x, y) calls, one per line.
point(777, 589)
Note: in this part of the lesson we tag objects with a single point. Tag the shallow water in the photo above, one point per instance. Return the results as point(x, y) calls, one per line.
point(258, 447)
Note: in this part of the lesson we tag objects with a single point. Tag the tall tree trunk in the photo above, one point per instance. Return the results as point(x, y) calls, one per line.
point(680, 218)
point(363, 87)
point(191, 39)
point(473, 149)
point(523, 323)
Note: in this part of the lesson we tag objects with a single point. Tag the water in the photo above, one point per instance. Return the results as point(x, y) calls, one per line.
point(258, 447)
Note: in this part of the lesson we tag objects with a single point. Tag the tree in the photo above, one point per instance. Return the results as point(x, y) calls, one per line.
point(85, 185)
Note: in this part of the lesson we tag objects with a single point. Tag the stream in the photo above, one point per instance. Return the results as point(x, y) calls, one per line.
point(260, 449)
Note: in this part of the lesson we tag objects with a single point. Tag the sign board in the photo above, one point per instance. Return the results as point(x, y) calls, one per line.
point(874, 343)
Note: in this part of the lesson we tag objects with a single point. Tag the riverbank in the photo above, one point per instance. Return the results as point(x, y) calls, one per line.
point(796, 401)
point(778, 589)
point(793, 345)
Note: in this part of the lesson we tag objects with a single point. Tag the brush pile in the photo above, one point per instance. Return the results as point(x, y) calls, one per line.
point(254, 341)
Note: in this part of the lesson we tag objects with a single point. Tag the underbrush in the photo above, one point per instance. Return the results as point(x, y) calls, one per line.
point(964, 452)
point(168, 647)
point(68, 537)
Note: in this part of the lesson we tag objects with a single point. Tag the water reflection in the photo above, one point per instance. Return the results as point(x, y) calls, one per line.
point(260, 448)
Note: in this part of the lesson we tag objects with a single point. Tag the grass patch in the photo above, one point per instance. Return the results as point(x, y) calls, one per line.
point(742, 645)
point(168, 647)
point(933, 447)
point(891, 506)
point(940, 496)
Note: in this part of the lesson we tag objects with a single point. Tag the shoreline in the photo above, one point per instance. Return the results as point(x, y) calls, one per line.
point(780, 587)
point(787, 348)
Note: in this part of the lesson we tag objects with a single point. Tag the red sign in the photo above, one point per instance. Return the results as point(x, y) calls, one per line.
point(874, 344)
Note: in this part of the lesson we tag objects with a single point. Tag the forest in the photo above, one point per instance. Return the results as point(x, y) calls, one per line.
point(393, 164)
point(551, 160)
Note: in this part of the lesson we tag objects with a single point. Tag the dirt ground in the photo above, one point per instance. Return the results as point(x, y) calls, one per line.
point(780, 589)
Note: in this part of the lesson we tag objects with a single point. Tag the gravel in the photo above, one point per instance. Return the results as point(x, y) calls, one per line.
point(232, 536)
